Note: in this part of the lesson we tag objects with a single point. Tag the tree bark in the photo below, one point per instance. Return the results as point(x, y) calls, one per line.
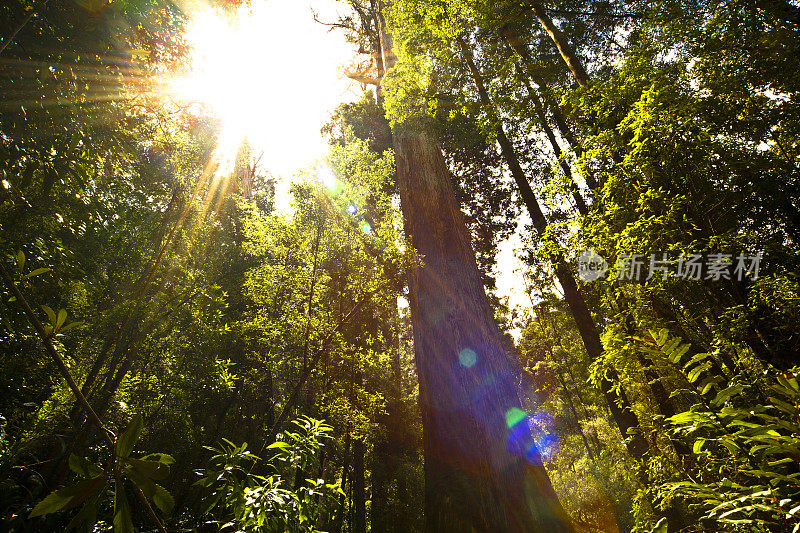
point(359, 488)
point(568, 54)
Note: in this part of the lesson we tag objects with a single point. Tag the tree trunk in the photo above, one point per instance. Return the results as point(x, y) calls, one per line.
point(359, 488)
point(572, 60)
point(477, 78)
point(480, 474)
point(468, 382)
point(339, 520)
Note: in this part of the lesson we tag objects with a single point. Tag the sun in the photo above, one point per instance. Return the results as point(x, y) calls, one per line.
point(268, 73)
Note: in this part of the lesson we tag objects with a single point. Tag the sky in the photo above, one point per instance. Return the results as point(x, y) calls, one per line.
point(274, 76)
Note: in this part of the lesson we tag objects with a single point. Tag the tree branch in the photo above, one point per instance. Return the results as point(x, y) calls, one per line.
point(51, 350)
point(10, 37)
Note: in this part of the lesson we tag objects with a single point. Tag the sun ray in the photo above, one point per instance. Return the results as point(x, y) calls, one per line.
point(265, 72)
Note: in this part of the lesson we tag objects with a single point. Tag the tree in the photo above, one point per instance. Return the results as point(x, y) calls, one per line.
point(477, 474)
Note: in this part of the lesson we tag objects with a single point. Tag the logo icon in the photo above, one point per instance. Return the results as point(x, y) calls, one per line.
point(591, 266)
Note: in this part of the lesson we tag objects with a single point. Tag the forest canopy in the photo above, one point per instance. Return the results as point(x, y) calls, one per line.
point(192, 341)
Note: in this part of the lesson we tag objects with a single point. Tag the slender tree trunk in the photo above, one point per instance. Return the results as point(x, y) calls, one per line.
point(568, 397)
point(337, 523)
point(551, 137)
point(477, 78)
point(359, 488)
point(568, 54)
point(541, 112)
point(558, 118)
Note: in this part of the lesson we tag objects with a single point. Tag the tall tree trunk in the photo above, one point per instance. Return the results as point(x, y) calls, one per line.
point(359, 488)
point(568, 54)
point(486, 102)
point(480, 474)
point(467, 380)
point(617, 401)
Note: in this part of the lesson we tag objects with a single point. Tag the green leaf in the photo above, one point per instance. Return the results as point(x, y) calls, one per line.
point(698, 445)
point(214, 500)
point(695, 373)
point(35, 272)
point(62, 317)
point(163, 500)
point(55, 501)
point(730, 445)
point(86, 518)
point(68, 497)
point(145, 484)
point(676, 355)
point(790, 384)
point(70, 326)
point(126, 441)
point(725, 394)
point(50, 314)
point(686, 417)
point(745, 424)
point(783, 406)
point(122, 510)
point(20, 261)
point(82, 466)
point(783, 461)
point(149, 469)
point(162, 458)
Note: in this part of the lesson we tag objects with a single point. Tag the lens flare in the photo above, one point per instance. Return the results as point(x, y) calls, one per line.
point(328, 179)
point(548, 446)
point(514, 416)
point(531, 436)
point(467, 357)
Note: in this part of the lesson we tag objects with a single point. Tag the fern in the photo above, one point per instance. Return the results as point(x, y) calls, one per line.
point(745, 437)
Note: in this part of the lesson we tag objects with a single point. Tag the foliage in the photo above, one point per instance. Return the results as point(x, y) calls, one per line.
point(192, 309)
point(142, 472)
point(746, 450)
point(251, 502)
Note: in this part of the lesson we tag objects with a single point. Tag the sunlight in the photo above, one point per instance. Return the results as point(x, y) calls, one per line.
point(270, 74)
